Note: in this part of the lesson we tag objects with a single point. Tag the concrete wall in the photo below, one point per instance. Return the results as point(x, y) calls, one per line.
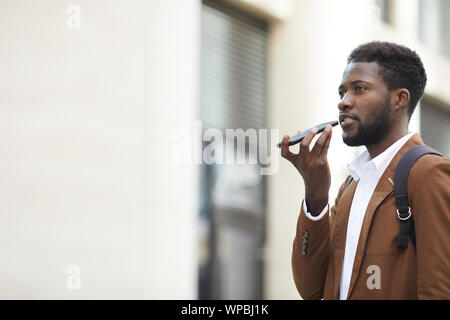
point(87, 107)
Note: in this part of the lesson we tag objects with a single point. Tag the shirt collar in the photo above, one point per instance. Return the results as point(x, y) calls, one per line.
point(379, 163)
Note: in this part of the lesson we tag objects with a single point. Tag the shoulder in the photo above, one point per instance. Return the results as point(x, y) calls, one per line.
point(428, 170)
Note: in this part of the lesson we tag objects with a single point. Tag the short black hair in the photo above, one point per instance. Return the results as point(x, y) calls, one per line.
point(400, 67)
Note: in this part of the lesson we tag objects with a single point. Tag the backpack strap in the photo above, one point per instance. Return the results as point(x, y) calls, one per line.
point(401, 193)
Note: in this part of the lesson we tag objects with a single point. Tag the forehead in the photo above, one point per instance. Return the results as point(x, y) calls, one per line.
point(364, 71)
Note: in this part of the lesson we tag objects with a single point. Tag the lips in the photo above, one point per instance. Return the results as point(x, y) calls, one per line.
point(346, 119)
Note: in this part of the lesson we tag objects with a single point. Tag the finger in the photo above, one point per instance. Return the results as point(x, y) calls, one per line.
point(304, 145)
point(285, 152)
point(321, 142)
point(299, 132)
point(324, 153)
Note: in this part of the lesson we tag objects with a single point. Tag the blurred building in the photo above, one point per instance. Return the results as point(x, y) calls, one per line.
point(105, 189)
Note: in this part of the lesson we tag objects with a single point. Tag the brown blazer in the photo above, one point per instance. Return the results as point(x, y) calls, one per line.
point(421, 273)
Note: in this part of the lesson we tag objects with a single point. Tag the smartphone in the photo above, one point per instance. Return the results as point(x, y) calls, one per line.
point(299, 137)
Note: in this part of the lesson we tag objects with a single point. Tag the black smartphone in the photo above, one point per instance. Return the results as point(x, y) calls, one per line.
point(299, 137)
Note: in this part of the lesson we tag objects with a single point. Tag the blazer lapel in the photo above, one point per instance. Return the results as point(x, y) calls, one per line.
point(382, 190)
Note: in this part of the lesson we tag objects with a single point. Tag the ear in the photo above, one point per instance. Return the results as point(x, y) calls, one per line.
point(401, 99)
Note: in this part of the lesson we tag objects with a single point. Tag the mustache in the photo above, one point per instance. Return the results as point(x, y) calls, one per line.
point(344, 115)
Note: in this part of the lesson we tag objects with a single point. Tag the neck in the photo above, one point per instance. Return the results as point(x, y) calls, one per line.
point(391, 137)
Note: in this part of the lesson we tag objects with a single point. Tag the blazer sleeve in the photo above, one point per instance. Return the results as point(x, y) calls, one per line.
point(430, 206)
point(310, 253)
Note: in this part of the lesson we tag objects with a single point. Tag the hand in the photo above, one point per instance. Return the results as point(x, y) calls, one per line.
point(313, 167)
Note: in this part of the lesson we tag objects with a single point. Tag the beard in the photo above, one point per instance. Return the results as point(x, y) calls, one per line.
point(371, 134)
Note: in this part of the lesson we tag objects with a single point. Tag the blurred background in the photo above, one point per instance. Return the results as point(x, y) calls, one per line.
point(105, 191)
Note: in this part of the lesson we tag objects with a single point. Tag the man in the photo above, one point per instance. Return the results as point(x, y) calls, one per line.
point(351, 252)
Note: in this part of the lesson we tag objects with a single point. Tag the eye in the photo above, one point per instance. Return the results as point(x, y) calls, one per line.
point(341, 94)
point(360, 89)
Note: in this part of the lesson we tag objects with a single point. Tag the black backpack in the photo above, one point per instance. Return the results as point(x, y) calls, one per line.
point(401, 193)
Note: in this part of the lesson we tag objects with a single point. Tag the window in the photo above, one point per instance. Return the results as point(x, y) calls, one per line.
point(434, 23)
point(385, 7)
point(435, 126)
point(232, 211)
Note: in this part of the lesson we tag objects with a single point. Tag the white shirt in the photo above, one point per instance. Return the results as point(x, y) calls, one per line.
point(368, 172)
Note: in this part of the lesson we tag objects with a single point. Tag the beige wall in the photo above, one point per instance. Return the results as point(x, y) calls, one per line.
point(85, 121)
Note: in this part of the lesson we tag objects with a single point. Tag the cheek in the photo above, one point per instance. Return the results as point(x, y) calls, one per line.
point(373, 109)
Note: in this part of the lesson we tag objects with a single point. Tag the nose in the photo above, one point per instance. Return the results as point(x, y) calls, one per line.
point(345, 103)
